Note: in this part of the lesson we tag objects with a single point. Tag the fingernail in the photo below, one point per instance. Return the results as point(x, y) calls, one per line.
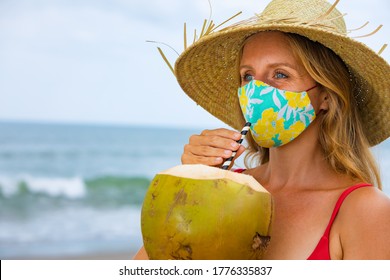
point(237, 135)
point(227, 152)
point(218, 159)
point(235, 145)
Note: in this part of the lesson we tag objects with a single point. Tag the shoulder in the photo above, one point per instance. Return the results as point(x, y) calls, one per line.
point(364, 224)
point(367, 202)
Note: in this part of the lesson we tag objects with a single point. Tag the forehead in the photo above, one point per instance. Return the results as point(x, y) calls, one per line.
point(276, 36)
point(268, 45)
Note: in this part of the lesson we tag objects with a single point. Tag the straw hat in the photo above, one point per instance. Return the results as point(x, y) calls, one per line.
point(207, 70)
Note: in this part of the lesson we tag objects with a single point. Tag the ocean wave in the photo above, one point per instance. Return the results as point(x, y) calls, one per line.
point(71, 188)
point(95, 190)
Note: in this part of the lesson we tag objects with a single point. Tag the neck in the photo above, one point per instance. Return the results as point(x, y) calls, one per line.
point(297, 165)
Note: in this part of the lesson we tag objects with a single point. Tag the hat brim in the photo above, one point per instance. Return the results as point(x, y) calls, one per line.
point(208, 73)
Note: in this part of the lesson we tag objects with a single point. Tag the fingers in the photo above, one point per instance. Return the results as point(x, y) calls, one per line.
point(222, 132)
point(206, 160)
point(219, 144)
point(218, 138)
point(212, 147)
point(240, 151)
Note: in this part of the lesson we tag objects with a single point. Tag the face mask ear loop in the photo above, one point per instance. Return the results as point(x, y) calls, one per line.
point(312, 87)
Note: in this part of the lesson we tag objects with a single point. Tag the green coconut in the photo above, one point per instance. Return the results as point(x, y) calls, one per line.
point(201, 212)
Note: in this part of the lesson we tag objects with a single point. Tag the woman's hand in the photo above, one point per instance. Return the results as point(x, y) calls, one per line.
point(212, 147)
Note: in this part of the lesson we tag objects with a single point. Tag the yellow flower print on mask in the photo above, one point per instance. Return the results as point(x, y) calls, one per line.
point(243, 101)
point(267, 127)
point(287, 135)
point(295, 100)
point(259, 83)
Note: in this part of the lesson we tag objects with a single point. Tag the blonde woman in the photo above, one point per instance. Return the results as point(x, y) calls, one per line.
point(317, 101)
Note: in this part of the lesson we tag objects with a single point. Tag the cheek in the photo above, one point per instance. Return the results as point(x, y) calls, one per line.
point(315, 99)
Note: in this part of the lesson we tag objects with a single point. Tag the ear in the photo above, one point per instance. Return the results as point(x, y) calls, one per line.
point(324, 101)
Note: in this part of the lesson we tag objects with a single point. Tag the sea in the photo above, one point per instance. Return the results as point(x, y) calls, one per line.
point(74, 190)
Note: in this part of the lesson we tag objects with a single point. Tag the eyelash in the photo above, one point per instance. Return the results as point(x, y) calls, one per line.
point(244, 77)
point(280, 73)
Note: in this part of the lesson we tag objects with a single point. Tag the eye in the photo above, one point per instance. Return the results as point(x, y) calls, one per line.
point(280, 75)
point(247, 77)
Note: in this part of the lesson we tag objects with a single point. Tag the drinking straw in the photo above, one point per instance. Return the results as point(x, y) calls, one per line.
point(244, 131)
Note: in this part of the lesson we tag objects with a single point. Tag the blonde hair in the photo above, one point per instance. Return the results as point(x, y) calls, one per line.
point(341, 135)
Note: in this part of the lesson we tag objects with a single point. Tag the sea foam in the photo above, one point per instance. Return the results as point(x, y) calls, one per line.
point(71, 188)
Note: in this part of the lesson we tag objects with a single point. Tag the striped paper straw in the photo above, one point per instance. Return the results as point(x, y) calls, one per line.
point(244, 131)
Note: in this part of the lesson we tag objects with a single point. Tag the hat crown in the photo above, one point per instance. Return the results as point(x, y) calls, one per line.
point(318, 13)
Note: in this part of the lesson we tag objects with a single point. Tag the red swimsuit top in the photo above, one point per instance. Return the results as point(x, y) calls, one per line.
point(321, 252)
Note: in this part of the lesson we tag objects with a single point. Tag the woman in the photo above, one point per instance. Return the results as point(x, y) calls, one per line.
point(316, 100)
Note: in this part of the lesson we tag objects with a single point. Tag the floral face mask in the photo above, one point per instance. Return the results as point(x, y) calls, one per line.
point(277, 116)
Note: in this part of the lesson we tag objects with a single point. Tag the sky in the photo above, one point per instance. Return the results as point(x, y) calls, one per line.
point(87, 61)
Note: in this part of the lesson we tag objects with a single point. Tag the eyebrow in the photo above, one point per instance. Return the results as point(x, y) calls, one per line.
point(272, 65)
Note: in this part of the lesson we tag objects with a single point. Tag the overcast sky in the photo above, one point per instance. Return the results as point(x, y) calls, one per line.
point(87, 60)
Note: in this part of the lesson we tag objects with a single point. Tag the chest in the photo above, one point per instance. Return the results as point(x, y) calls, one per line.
point(299, 222)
